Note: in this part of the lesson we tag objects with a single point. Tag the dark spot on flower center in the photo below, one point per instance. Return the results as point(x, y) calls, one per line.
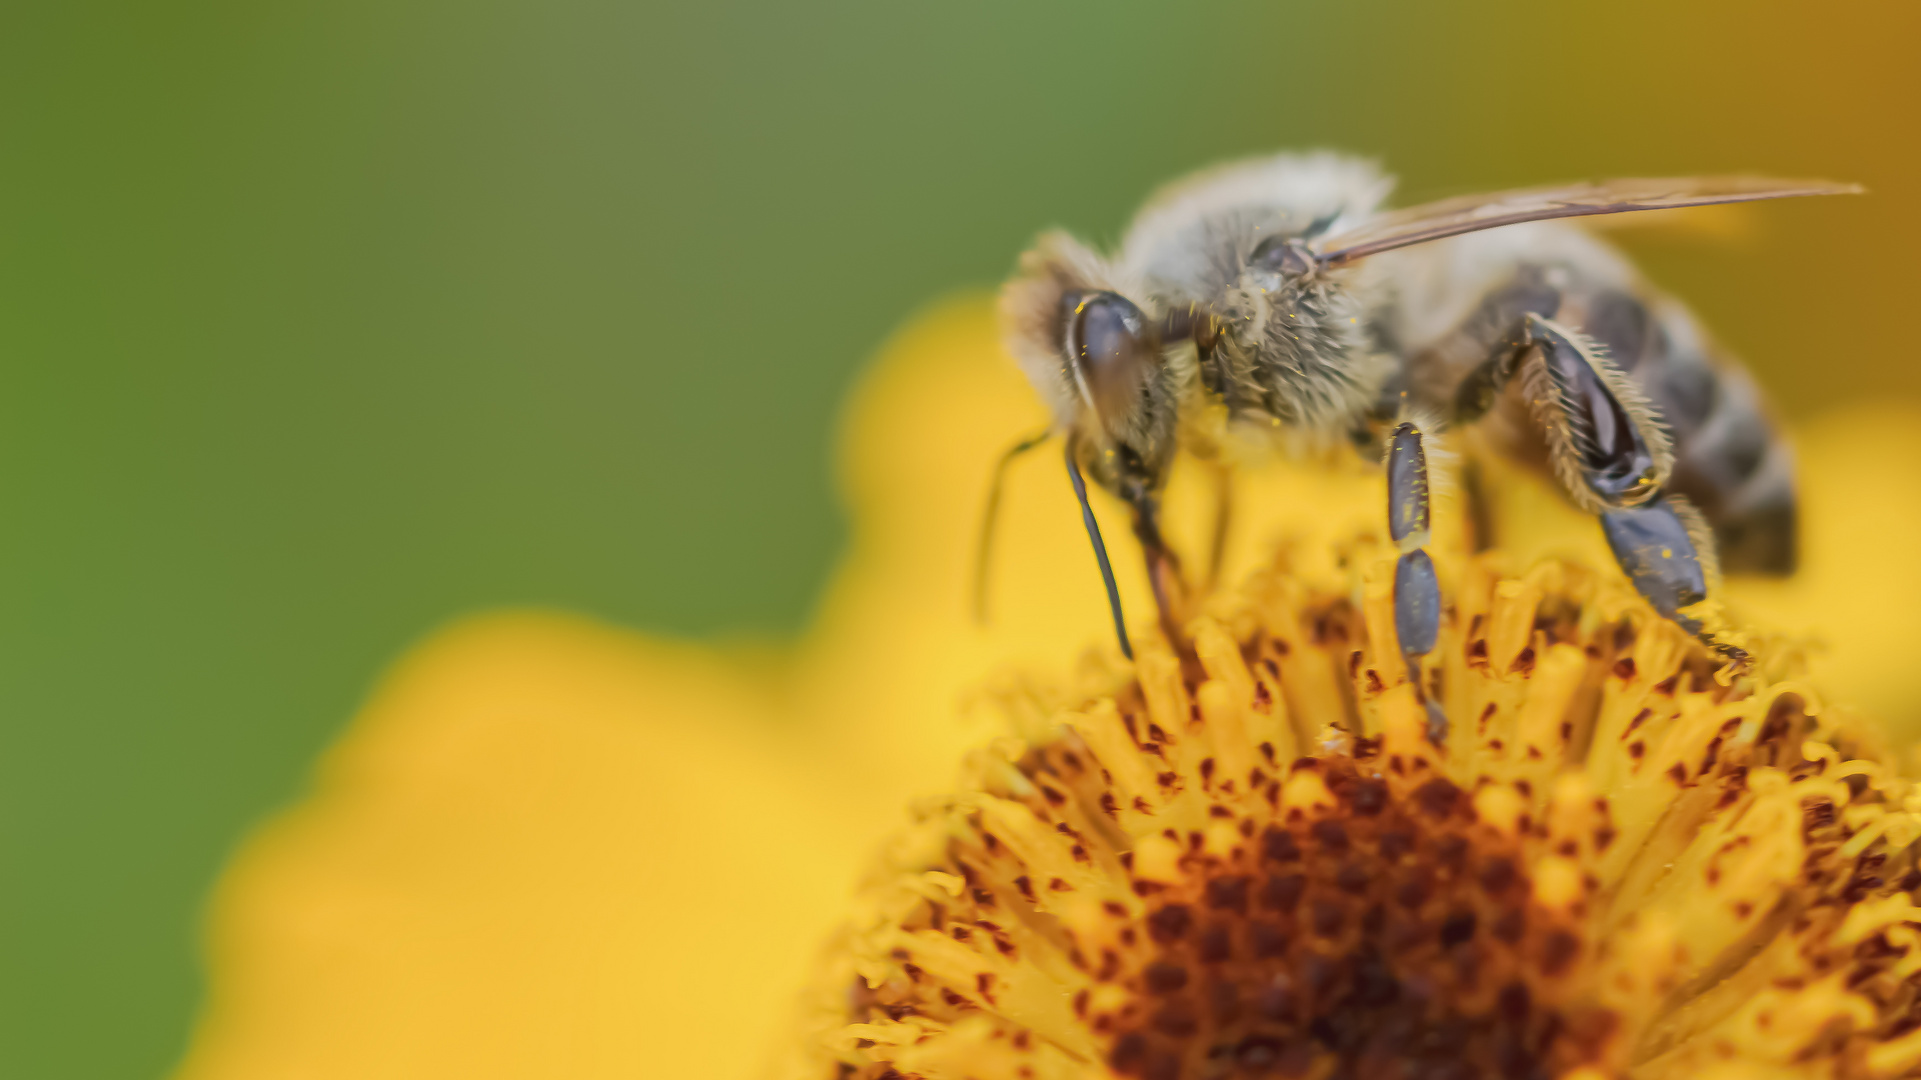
point(1169, 923)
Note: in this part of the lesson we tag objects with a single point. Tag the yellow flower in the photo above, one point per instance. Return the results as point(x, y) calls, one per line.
point(553, 848)
point(1618, 858)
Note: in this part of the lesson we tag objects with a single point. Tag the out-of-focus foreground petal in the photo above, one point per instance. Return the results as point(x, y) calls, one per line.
point(547, 849)
point(553, 848)
point(1858, 592)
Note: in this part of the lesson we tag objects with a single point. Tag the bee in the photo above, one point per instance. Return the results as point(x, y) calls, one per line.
point(1277, 293)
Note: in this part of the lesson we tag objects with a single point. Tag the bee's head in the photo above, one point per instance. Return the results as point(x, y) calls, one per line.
point(1095, 354)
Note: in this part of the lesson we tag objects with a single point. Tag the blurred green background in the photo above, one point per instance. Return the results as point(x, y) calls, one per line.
point(322, 323)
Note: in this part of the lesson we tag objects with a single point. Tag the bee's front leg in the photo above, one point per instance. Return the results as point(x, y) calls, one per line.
point(1417, 592)
point(1139, 488)
point(1613, 457)
point(1163, 565)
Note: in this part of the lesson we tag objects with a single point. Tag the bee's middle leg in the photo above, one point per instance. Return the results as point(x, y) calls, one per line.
point(1417, 592)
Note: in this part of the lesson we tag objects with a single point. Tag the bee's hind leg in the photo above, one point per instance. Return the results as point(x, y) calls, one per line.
point(1417, 592)
point(1665, 549)
point(1613, 458)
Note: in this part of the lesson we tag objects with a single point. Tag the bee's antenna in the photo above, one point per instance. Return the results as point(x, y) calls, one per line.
point(990, 517)
point(1100, 550)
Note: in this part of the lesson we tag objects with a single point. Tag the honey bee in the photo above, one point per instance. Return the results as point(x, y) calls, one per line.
point(1277, 293)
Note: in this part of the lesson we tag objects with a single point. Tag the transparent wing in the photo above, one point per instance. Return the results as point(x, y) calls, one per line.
point(1471, 213)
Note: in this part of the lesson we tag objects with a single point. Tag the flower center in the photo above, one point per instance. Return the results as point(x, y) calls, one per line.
point(1390, 934)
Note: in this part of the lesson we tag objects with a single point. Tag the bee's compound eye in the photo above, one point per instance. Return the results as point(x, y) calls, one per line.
point(1108, 331)
point(1282, 255)
point(1113, 351)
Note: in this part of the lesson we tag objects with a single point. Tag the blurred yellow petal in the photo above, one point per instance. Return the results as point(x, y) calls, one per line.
point(547, 849)
point(554, 848)
point(1858, 592)
point(550, 847)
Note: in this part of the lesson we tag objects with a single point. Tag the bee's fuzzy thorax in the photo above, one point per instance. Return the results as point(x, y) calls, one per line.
point(1297, 355)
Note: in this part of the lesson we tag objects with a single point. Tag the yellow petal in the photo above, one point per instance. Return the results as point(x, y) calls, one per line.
point(1858, 592)
point(555, 848)
point(547, 849)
